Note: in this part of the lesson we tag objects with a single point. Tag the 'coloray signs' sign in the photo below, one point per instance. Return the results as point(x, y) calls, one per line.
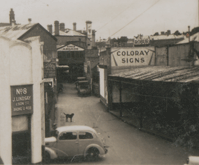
point(135, 56)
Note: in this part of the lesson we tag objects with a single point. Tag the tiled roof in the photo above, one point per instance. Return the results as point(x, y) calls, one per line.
point(16, 31)
point(159, 73)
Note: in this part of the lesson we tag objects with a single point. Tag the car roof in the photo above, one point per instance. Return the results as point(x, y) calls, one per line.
point(75, 128)
point(83, 81)
point(80, 78)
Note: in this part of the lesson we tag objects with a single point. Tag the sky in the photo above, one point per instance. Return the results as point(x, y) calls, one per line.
point(110, 18)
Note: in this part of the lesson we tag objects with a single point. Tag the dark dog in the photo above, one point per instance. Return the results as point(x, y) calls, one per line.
point(69, 116)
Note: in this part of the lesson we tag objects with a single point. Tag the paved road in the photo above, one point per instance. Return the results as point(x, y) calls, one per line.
point(127, 145)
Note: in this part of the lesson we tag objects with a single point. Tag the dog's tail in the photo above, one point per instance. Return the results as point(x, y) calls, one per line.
point(64, 113)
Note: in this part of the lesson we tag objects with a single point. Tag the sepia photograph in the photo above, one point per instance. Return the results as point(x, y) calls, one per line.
point(105, 82)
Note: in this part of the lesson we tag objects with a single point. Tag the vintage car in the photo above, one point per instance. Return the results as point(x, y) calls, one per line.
point(192, 160)
point(71, 141)
point(79, 79)
point(84, 88)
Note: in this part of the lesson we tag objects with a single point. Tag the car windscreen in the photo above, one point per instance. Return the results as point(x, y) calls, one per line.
point(83, 86)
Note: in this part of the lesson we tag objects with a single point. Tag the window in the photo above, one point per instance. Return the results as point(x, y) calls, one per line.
point(85, 135)
point(68, 136)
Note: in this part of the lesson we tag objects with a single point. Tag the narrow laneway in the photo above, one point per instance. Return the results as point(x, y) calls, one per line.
point(127, 145)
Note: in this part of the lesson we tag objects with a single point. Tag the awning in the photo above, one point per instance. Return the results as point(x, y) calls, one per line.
point(160, 73)
point(48, 80)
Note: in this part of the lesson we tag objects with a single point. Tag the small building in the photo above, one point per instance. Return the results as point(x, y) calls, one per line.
point(115, 59)
point(70, 62)
point(21, 33)
point(22, 128)
point(157, 86)
point(165, 39)
point(75, 49)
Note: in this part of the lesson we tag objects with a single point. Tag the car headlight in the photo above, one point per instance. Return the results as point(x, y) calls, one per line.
point(187, 160)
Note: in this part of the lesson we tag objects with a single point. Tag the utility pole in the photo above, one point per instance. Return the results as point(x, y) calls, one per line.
point(189, 32)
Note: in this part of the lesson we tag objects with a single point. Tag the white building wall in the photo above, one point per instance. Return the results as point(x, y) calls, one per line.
point(21, 65)
point(101, 71)
point(36, 132)
point(5, 103)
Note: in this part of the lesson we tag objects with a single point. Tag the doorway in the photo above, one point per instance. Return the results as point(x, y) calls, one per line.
point(21, 140)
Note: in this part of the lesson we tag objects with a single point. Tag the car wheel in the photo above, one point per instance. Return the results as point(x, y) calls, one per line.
point(92, 153)
point(47, 157)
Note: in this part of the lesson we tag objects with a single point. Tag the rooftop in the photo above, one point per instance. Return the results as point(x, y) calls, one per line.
point(160, 73)
point(75, 128)
point(16, 31)
point(69, 32)
point(166, 37)
point(194, 37)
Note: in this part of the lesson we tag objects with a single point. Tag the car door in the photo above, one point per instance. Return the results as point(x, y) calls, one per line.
point(85, 138)
point(68, 143)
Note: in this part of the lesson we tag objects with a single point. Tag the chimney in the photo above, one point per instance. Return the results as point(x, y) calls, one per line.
point(29, 20)
point(88, 23)
point(12, 17)
point(74, 26)
point(62, 26)
point(168, 32)
point(93, 37)
point(50, 28)
point(89, 34)
point(56, 23)
point(162, 33)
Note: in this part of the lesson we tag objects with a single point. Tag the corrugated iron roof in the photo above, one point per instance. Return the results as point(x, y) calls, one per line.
point(16, 31)
point(4, 24)
point(165, 37)
point(159, 73)
point(194, 37)
point(69, 32)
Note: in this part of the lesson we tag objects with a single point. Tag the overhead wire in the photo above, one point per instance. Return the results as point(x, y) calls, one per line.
point(115, 17)
point(135, 18)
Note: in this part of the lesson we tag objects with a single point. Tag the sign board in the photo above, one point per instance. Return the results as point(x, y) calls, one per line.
point(136, 56)
point(21, 100)
point(49, 69)
point(142, 41)
point(70, 47)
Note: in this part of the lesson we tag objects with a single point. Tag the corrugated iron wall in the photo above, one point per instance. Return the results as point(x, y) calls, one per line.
point(162, 56)
point(196, 46)
point(178, 55)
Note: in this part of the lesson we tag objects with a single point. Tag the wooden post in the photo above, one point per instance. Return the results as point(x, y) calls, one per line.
point(109, 94)
point(120, 99)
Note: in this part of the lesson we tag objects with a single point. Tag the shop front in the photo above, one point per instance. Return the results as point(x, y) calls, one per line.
point(22, 109)
point(22, 131)
point(121, 60)
point(71, 63)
